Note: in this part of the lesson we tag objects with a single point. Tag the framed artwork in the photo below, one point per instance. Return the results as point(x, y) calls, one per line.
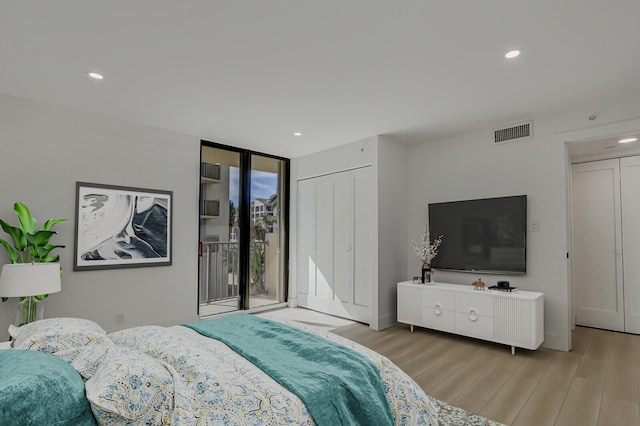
point(121, 227)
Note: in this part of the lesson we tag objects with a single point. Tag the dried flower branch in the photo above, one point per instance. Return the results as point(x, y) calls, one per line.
point(426, 250)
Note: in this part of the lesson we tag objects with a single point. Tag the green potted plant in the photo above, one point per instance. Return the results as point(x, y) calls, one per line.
point(30, 245)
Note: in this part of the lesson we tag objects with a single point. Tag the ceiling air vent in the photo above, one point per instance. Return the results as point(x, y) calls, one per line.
point(518, 132)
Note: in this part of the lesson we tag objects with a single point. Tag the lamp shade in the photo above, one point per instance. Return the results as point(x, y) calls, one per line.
point(29, 279)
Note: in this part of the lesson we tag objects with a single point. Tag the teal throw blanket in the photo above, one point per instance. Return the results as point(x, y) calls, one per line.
point(338, 385)
point(40, 389)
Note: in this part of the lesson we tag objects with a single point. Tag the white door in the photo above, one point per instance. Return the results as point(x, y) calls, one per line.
point(342, 243)
point(630, 189)
point(322, 294)
point(364, 227)
point(306, 260)
point(334, 258)
point(597, 245)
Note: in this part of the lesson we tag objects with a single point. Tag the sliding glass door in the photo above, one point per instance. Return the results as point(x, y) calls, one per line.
point(266, 260)
point(243, 229)
point(219, 287)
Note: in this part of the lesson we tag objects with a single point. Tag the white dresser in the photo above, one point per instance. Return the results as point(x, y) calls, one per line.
point(515, 319)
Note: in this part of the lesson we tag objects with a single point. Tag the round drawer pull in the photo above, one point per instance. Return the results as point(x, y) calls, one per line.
point(473, 315)
point(437, 309)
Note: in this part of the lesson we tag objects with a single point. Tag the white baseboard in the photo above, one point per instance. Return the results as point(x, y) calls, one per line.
point(386, 321)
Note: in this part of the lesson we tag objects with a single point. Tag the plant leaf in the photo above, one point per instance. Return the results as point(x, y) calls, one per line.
point(13, 253)
point(43, 251)
point(19, 240)
point(40, 238)
point(4, 299)
point(49, 223)
point(27, 222)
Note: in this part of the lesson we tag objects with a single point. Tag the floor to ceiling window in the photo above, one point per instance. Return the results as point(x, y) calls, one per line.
point(243, 229)
point(268, 230)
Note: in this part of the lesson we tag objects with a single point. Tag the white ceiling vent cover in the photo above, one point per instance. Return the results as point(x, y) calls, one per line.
point(516, 132)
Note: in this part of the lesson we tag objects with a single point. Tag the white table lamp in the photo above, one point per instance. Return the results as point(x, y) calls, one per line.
point(28, 280)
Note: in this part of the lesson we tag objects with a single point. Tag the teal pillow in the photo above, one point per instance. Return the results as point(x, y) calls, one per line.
point(40, 389)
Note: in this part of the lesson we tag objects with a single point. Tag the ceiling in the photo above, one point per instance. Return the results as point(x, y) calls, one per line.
point(603, 148)
point(251, 73)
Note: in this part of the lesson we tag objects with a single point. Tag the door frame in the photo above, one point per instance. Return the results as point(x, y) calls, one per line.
point(560, 153)
point(608, 320)
point(245, 219)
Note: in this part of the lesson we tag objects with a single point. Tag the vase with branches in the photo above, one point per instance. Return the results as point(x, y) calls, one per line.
point(426, 251)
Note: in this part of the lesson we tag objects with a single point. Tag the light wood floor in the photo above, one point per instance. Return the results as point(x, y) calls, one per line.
point(597, 383)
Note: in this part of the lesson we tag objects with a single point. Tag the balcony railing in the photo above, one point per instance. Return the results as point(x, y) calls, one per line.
point(219, 270)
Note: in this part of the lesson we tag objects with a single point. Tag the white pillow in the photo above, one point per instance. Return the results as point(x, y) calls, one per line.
point(126, 386)
point(62, 337)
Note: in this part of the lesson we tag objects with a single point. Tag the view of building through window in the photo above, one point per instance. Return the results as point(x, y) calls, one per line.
point(223, 287)
point(264, 203)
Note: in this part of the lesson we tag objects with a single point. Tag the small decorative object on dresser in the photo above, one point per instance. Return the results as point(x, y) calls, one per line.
point(426, 273)
point(478, 284)
point(426, 251)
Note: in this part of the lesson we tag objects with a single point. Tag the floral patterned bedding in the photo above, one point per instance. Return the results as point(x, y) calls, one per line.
point(224, 388)
point(447, 415)
point(173, 375)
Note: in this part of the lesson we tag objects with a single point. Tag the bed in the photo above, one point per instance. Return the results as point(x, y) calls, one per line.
point(235, 370)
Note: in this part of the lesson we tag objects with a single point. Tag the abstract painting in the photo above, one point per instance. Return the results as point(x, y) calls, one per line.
point(121, 227)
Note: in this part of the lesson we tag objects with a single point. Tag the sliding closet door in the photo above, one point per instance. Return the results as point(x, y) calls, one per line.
point(342, 240)
point(306, 244)
point(321, 296)
point(630, 178)
point(315, 244)
point(597, 245)
point(364, 228)
point(335, 263)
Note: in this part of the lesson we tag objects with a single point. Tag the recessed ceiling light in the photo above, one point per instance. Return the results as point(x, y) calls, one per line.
point(95, 75)
point(627, 140)
point(297, 134)
point(513, 53)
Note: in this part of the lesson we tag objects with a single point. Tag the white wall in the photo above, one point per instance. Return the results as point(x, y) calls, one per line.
point(470, 166)
point(345, 157)
point(388, 160)
point(392, 228)
point(45, 150)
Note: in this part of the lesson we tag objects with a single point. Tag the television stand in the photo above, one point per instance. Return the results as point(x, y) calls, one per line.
point(511, 318)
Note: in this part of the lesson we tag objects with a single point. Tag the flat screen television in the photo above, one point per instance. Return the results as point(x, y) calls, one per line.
point(487, 235)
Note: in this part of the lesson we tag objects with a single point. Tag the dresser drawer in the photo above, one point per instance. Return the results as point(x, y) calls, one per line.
point(481, 304)
point(439, 319)
point(473, 325)
point(515, 319)
point(443, 299)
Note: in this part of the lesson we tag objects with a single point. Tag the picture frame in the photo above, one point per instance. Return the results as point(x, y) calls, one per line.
point(122, 227)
